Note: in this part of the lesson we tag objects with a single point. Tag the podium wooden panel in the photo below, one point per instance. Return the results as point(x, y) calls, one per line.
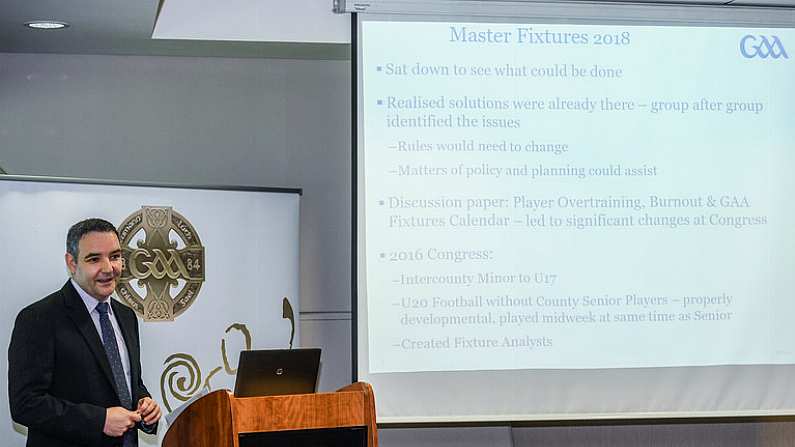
point(217, 419)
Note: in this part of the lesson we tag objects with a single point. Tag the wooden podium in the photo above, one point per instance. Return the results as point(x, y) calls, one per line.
point(220, 419)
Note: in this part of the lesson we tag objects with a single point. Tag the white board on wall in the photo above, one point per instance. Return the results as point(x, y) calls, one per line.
point(238, 247)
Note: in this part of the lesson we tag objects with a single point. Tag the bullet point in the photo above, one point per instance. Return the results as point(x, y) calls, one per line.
point(380, 202)
point(379, 68)
point(382, 255)
point(380, 102)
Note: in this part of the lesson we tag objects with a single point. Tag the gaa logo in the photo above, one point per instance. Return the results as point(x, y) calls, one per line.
point(163, 263)
point(762, 47)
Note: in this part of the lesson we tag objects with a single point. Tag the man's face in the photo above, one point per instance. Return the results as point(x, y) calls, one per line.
point(99, 263)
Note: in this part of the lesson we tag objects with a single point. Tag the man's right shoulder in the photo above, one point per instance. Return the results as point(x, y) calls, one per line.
point(45, 305)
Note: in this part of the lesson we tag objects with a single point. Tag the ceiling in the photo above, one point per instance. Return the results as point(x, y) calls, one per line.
point(127, 27)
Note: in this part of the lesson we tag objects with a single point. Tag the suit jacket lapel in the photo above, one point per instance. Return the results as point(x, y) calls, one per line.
point(85, 325)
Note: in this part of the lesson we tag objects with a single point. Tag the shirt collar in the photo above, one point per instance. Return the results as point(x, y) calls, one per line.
point(88, 300)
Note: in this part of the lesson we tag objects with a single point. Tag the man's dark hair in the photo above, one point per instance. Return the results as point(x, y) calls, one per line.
point(84, 227)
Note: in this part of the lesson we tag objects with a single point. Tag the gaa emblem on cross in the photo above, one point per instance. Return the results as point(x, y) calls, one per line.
point(163, 263)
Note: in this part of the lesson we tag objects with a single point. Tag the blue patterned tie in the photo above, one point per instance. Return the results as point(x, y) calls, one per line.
point(112, 351)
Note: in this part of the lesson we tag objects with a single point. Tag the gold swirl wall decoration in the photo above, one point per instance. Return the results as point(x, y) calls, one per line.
point(185, 363)
point(180, 390)
point(238, 327)
point(210, 376)
point(287, 313)
point(181, 378)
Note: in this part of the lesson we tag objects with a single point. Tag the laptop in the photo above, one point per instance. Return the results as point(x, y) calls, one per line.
point(272, 372)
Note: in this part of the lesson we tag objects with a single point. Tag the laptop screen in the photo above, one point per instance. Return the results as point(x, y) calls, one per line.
point(272, 372)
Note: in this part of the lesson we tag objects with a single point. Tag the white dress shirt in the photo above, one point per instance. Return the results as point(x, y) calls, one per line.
point(91, 306)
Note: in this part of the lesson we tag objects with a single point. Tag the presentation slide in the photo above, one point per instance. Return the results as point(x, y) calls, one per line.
point(576, 196)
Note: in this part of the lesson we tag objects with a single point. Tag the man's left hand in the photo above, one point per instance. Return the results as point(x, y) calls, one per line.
point(149, 411)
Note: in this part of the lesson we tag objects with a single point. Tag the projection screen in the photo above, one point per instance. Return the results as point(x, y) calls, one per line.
point(574, 212)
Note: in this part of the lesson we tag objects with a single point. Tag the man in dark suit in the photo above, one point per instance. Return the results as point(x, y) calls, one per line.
point(74, 369)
